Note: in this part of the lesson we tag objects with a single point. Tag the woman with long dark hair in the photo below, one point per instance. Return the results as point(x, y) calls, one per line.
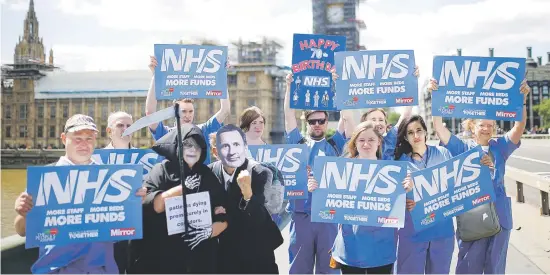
point(365, 249)
point(428, 251)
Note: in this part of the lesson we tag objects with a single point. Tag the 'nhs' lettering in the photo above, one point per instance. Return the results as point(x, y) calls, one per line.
point(148, 160)
point(316, 81)
point(438, 182)
point(367, 68)
point(79, 182)
point(187, 58)
point(352, 174)
point(289, 158)
point(467, 75)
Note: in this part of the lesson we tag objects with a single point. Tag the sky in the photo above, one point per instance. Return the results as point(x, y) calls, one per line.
point(92, 35)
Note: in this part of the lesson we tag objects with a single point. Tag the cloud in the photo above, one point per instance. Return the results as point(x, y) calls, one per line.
point(16, 5)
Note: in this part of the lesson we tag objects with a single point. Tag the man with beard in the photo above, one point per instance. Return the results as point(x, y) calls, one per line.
point(192, 252)
point(248, 244)
point(310, 242)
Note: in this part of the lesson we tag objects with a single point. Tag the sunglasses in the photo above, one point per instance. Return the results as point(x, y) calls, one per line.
point(321, 121)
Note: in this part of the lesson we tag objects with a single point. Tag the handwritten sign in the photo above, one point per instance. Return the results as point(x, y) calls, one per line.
point(478, 87)
point(312, 61)
point(359, 192)
point(371, 79)
point(199, 213)
point(190, 71)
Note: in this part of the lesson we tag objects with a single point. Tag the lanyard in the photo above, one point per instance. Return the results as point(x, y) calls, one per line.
point(424, 161)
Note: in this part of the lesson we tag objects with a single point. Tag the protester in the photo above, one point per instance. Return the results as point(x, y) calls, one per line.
point(248, 244)
point(365, 249)
point(116, 125)
point(187, 113)
point(310, 242)
point(487, 255)
point(79, 138)
point(252, 122)
point(195, 252)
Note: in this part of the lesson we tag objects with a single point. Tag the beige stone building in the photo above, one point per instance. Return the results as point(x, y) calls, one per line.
point(37, 99)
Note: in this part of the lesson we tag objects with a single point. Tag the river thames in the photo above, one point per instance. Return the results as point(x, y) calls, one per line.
point(14, 182)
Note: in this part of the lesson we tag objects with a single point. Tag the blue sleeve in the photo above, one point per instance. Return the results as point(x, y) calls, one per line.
point(210, 126)
point(445, 153)
point(340, 140)
point(159, 132)
point(390, 140)
point(506, 146)
point(456, 146)
point(293, 137)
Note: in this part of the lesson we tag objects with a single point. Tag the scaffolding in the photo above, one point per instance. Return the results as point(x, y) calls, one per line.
point(253, 52)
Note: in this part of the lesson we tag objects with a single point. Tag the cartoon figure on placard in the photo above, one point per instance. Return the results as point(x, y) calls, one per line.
point(298, 81)
point(325, 99)
point(296, 97)
point(316, 99)
point(334, 101)
point(308, 98)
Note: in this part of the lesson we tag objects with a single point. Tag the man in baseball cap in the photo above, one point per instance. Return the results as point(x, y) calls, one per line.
point(79, 138)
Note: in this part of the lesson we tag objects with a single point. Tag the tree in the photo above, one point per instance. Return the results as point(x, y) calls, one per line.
point(329, 133)
point(543, 109)
point(393, 118)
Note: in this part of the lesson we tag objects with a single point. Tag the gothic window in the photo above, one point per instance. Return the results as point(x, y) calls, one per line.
point(22, 131)
point(23, 111)
point(40, 131)
point(52, 131)
point(8, 111)
point(40, 111)
point(52, 111)
point(8, 131)
point(65, 111)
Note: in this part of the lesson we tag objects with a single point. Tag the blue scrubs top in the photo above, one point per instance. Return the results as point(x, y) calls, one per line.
point(317, 148)
point(434, 155)
point(501, 148)
point(365, 246)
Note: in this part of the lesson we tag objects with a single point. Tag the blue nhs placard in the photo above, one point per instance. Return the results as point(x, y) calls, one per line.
point(478, 87)
point(371, 79)
point(359, 192)
point(450, 189)
point(291, 160)
point(190, 71)
point(146, 157)
point(312, 61)
point(83, 203)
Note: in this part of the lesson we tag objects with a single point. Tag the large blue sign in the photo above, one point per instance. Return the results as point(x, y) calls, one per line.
point(312, 61)
point(371, 79)
point(190, 71)
point(146, 157)
point(478, 87)
point(83, 203)
point(359, 192)
point(450, 189)
point(291, 160)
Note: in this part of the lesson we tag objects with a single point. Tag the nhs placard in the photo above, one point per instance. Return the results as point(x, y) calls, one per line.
point(146, 157)
point(83, 203)
point(478, 87)
point(359, 192)
point(376, 79)
point(450, 189)
point(312, 61)
point(190, 71)
point(291, 160)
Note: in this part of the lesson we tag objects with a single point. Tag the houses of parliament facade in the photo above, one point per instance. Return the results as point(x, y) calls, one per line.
point(38, 98)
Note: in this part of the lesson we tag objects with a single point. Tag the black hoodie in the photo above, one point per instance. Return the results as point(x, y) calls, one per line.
point(158, 252)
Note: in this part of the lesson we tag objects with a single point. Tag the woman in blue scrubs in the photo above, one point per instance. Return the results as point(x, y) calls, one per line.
point(429, 251)
point(487, 255)
point(365, 249)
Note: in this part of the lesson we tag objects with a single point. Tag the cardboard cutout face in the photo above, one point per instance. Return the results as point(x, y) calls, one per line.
point(231, 146)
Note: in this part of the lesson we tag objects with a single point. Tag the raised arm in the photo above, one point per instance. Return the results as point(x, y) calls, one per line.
point(349, 123)
point(225, 109)
point(442, 132)
point(290, 115)
point(519, 126)
point(151, 99)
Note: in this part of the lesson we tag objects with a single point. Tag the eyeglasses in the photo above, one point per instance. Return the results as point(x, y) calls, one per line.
point(313, 121)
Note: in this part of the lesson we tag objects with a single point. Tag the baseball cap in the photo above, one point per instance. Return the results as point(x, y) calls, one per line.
point(80, 122)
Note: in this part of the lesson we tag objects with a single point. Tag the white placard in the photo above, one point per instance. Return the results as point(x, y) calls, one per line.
point(198, 212)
